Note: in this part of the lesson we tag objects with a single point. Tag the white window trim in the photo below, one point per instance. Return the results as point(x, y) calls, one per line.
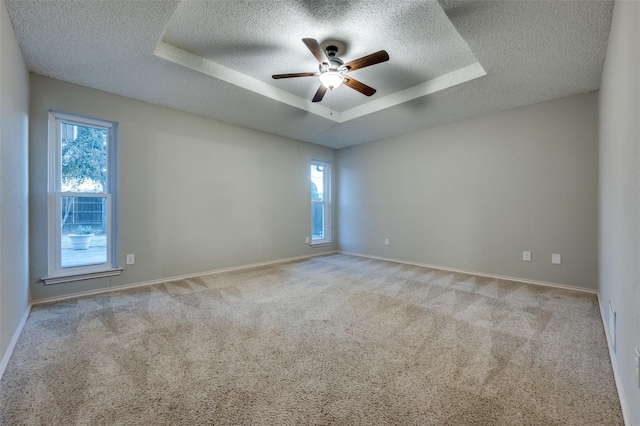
point(326, 201)
point(58, 274)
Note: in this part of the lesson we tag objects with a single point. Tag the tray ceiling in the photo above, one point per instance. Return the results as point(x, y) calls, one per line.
point(449, 60)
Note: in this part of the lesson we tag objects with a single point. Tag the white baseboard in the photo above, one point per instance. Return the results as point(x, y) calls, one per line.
point(14, 340)
point(480, 274)
point(181, 277)
point(626, 413)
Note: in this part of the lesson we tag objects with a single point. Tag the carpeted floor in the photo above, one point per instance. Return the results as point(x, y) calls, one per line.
point(330, 340)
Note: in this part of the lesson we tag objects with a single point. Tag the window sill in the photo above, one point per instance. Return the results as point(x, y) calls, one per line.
point(79, 277)
point(324, 244)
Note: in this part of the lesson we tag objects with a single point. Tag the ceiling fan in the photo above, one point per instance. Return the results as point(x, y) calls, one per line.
point(333, 71)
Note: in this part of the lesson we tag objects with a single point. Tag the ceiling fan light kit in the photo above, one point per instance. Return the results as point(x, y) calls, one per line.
point(333, 69)
point(331, 79)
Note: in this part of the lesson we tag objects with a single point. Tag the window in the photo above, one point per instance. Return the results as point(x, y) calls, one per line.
point(320, 203)
point(83, 178)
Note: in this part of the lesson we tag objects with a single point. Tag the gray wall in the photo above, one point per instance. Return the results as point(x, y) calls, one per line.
point(620, 192)
point(195, 194)
point(14, 92)
point(473, 195)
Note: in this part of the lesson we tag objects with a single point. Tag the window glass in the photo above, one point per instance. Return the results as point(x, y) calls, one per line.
point(317, 182)
point(84, 158)
point(84, 231)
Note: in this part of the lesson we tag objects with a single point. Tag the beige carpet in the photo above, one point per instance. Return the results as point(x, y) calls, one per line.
point(330, 340)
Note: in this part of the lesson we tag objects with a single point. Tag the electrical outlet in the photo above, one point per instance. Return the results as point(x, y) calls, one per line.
point(638, 366)
point(131, 259)
point(386, 241)
point(556, 259)
point(306, 240)
point(526, 256)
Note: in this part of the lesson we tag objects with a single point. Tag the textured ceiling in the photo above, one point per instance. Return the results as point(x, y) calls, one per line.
point(256, 50)
point(449, 60)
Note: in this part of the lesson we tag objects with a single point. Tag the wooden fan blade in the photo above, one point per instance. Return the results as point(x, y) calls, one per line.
point(360, 87)
point(319, 94)
point(315, 48)
point(297, 74)
point(365, 61)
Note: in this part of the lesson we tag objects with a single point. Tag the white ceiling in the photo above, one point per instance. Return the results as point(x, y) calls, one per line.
point(449, 59)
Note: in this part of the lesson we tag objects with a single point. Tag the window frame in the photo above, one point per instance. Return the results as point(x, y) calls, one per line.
point(326, 203)
point(57, 273)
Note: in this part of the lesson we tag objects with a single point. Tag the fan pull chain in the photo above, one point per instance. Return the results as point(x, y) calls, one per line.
point(331, 100)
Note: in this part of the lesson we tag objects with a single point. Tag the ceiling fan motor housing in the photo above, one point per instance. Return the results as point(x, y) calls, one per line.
point(335, 63)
